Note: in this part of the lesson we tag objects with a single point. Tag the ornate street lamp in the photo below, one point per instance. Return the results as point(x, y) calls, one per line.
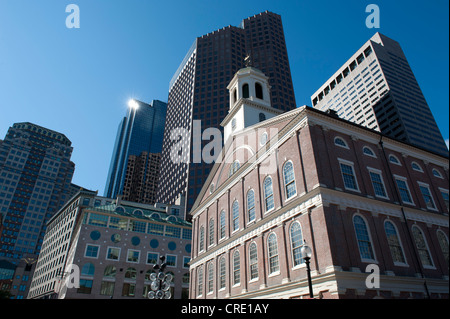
point(306, 254)
point(160, 286)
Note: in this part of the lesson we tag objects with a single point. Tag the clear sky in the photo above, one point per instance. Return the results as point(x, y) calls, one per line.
point(78, 81)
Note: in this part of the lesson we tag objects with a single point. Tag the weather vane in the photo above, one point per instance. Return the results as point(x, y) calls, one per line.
point(248, 60)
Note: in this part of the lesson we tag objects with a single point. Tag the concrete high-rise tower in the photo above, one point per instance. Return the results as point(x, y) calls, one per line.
point(376, 88)
point(198, 92)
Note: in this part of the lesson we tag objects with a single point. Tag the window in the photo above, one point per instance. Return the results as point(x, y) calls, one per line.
point(443, 243)
point(202, 239)
point(236, 268)
point(393, 159)
point(436, 173)
point(200, 281)
point(262, 117)
point(234, 96)
point(235, 217)
point(233, 168)
point(113, 253)
point(131, 273)
point(245, 91)
point(268, 193)
point(296, 243)
point(340, 142)
point(259, 91)
point(211, 231)
point(377, 183)
point(171, 260)
point(91, 251)
point(210, 277)
point(233, 124)
point(88, 270)
point(152, 258)
point(368, 151)
point(85, 286)
point(363, 238)
point(289, 180)
point(253, 254)
point(274, 265)
point(422, 247)
point(107, 288)
point(222, 224)
point(110, 272)
point(445, 197)
point(133, 256)
point(394, 243)
point(251, 205)
point(426, 194)
point(222, 272)
point(348, 175)
point(404, 190)
point(416, 167)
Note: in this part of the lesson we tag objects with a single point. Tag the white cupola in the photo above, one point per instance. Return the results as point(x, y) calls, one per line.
point(249, 101)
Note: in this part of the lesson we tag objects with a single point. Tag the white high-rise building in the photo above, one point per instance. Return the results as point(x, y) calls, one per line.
point(376, 88)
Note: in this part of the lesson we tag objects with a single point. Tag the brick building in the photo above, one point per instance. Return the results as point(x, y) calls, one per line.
point(354, 195)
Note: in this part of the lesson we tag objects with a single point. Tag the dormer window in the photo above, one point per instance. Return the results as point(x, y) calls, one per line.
point(245, 91)
point(259, 91)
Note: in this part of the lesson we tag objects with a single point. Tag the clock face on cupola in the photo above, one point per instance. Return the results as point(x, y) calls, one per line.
point(249, 100)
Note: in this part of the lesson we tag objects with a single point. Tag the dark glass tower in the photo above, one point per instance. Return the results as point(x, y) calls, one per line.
point(35, 181)
point(140, 131)
point(198, 91)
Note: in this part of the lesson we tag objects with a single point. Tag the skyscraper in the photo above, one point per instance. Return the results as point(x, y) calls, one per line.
point(197, 91)
point(140, 131)
point(35, 181)
point(376, 88)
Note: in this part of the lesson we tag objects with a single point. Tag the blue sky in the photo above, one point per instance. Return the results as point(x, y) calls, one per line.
point(78, 81)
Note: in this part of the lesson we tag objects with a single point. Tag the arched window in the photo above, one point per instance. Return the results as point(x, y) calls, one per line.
point(211, 231)
point(262, 117)
point(340, 142)
point(222, 224)
point(363, 237)
point(130, 273)
point(268, 193)
point(259, 91)
point(296, 243)
point(393, 159)
point(234, 96)
point(416, 167)
point(436, 173)
point(368, 151)
point(253, 256)
point(235, 216)
point(422, 247)
point(245, 91)
point(88, 269)
point(233, 124)
point(236, 268)
point(274, 265)
point(222, 273)
point(110, 271)
point(202, 239)
point(234, 167)
point(289, 180)
point(443, 243)
point(200, 281)
point(394, 243)
point(210, 277)
point(251, 205)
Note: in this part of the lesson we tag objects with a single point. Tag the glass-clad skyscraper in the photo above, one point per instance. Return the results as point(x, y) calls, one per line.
point(140, 131)
point(198, 92)
point(376, 88)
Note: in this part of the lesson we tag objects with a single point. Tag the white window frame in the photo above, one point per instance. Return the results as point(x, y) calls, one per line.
point(342, 139)
point(107, 252)
point(380, 173)
point(352, 165)
point(369, 233)
point(85, 251)
point(139, 257)
point(407, 187)
point(396, 263)
point(431, 195)
point(370, 149)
